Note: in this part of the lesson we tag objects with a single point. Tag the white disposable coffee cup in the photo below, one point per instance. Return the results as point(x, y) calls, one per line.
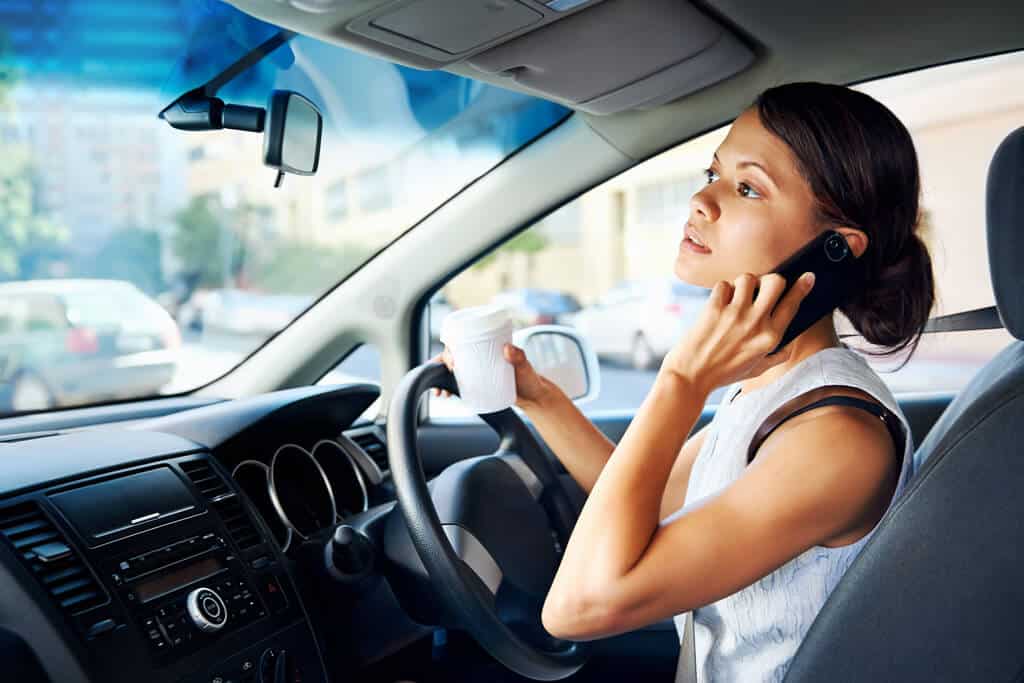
point(475, 337)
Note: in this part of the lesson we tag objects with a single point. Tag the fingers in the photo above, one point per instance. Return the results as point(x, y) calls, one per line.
point(444, 357)
point(787, 308)
point(721, 294)
point(743, 287)
point(513, 354)
point(770, 288)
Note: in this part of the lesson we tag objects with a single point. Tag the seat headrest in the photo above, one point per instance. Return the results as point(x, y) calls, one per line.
point(1005, 218)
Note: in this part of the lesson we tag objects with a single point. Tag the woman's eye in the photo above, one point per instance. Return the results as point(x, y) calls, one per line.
point(747, 191)
point(744, 189)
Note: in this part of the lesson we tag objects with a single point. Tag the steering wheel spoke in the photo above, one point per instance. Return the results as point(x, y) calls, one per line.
point(475, 555)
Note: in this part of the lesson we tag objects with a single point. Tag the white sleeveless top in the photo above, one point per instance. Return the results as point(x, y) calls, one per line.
point(753, 634)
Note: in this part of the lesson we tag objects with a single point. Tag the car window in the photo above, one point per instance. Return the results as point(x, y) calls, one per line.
point(41, 313)
point(957, 115)
point(113, 308)
point(96, 188)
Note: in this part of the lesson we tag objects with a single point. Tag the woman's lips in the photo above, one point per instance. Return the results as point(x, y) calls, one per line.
point(688, 243)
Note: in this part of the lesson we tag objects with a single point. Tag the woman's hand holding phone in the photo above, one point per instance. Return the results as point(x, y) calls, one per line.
point(736, 331)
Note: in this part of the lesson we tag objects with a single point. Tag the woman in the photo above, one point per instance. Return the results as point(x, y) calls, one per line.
point(752, 535)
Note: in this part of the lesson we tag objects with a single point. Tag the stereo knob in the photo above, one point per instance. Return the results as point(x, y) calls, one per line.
point(206, 609)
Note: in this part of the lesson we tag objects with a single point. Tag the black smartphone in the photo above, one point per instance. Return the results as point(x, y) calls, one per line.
point(837, 275)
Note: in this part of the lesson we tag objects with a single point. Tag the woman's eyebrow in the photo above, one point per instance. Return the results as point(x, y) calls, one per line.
point(744, 164)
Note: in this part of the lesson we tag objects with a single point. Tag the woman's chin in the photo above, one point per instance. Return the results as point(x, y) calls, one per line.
point(690, 276)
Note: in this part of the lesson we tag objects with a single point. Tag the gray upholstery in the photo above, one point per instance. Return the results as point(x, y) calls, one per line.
point(937, 594)
point(1005, 209)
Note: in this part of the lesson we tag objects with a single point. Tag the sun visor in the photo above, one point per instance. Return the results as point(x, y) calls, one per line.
point(598, 56)
point(620, 54)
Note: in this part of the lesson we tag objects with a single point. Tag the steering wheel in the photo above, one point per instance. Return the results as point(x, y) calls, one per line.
point(489, 531)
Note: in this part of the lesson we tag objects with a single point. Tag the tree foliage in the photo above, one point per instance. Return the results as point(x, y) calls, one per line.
point(200, 241)
point(28, 236)
point(268, 263)
point(131, 254)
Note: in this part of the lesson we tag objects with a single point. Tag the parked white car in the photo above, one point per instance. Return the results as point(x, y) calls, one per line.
point(639, 320)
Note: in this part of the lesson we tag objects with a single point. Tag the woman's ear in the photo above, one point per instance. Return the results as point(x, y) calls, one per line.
point(857, 239)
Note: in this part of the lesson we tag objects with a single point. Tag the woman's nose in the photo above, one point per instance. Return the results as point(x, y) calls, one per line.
point(703, 204)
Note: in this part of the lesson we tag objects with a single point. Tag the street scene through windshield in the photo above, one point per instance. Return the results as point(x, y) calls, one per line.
point(139, 260)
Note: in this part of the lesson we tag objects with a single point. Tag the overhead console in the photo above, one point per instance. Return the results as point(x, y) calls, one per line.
point(598, 56)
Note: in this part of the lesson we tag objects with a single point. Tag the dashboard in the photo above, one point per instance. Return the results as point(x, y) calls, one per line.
point(190, 547)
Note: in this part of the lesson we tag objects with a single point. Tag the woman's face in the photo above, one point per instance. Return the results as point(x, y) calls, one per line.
point(754, 212)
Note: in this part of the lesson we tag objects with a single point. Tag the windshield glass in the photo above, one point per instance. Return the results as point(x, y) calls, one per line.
point(165, 257)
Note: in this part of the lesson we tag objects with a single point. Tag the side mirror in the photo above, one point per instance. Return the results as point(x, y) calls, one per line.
point(291, 142)
point(563, 356)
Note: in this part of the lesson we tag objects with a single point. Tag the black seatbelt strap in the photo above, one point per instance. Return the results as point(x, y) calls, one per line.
point(977, 319)
point(773, 421)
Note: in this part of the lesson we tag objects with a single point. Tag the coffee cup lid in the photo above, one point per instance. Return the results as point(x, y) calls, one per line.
point(476, 321)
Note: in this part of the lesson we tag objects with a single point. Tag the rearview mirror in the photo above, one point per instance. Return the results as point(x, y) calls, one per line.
point(563, 356)
point(291, 142)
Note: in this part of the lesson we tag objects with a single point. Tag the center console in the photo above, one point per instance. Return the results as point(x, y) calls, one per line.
point(163, 574)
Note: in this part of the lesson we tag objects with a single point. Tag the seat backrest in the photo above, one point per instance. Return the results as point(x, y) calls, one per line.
point(937, 593)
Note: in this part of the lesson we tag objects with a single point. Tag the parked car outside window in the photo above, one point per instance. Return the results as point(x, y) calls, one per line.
point(63, 342)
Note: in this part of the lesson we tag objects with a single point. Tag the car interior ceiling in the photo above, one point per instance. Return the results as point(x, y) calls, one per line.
point(104, 482)
point(790, 41)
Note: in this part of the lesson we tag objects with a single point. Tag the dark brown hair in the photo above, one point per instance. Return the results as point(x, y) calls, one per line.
point(862, 168)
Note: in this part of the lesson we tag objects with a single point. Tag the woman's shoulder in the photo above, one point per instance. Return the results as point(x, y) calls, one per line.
point(848, 367)
point(839, 367)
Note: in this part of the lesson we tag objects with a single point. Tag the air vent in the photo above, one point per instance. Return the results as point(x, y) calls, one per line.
point(374, 447)
point(240, 527)
point(206, 480)
point(46, 552)
point(228, 505)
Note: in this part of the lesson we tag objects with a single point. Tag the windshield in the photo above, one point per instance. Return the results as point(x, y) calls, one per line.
point(169, 254)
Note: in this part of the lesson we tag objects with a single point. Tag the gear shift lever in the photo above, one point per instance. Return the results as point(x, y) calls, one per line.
point(349, 555)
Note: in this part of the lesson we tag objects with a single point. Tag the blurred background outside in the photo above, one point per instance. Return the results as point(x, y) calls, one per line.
point(168, 257)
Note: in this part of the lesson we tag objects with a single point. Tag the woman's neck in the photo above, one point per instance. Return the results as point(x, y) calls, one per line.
point(821, 335)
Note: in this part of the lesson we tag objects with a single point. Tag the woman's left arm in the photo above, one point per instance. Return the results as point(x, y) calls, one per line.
point(622, 570)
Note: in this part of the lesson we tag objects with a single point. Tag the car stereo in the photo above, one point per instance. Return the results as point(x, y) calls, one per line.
point(183, 593)
point(186, 568)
